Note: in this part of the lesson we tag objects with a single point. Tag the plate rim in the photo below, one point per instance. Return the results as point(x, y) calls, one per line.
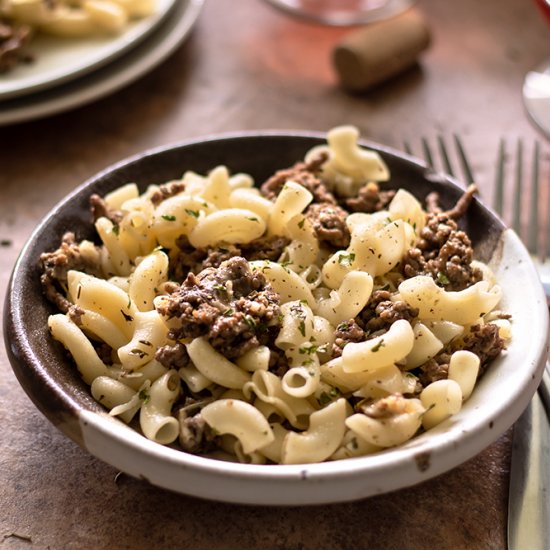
point(114, 47)
point(124, 70)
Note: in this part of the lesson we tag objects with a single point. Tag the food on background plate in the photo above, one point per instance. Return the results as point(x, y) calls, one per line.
point(319, 316)
point(22, 19)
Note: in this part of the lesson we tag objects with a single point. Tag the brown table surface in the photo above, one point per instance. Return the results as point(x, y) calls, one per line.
point(247, 66)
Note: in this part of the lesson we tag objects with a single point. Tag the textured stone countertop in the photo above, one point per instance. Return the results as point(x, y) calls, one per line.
point(247, 66)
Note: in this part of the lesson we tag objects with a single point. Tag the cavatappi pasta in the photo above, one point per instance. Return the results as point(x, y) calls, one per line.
point(318, 317)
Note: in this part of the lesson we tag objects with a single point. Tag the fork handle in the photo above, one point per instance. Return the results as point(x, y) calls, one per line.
point(544, 390)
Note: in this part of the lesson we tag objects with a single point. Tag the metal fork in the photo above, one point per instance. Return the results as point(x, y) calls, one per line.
point(526, 442)
point(526, 218)
point(445, 165)
point(540, 249)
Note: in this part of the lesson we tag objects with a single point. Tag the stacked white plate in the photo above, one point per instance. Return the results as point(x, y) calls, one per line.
point(70, 73)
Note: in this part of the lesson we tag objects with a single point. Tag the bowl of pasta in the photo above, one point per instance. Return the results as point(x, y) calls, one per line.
point(277, 318)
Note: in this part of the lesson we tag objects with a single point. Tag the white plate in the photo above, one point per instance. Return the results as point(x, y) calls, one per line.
point(58, 60)
point(122, 71)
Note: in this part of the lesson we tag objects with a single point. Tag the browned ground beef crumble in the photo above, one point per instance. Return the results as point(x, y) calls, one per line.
point(233, 306)
point(13, 41)
point(56, 265)
point(329, 223)
point(381, 312)
point(304, 173)
point(186, 259)
point(369, 199)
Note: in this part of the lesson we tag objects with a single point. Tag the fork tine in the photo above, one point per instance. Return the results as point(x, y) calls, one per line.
point(427, 153)
point(444, 155)
point(516, 218)
point(407, 148)
point(466, 169)
point(534, 203)
point(499, 180)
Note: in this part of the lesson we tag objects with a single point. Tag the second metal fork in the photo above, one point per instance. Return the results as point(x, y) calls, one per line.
point(525, 212)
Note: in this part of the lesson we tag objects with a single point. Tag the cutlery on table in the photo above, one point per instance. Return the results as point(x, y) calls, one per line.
point(529, 492)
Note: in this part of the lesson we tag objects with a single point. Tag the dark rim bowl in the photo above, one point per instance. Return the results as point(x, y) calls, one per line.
point(56, 388)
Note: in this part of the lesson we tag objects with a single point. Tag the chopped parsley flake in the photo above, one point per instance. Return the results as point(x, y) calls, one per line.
point(378, 346)
point(442, 278)
point(346, 259)
point(250, 321)
point(326, 397)
point(193, 213)
point(144, 396)
point(343, 326)
point(168, 217)
point(312, 348)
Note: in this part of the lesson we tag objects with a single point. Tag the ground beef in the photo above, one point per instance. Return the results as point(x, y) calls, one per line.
point(265, 248)
point(435, 369)
point(278, 361)
point(187, 259)
point(13, 41)
point(381, 312)
point(104, 352)
point(432, 203)
point(173, 357)
point(370, 199)
point(195, 435)
point(346, 332)
point(167, 190)
point(304, 173)
point(459, 209)
point(233, 306)
point(55, 266)
point(485, 342)
point(443, 252)
point(329, 223)
point(100, 209)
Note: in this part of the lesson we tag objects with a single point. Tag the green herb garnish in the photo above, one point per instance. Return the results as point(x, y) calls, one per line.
point(346, 259)
point(378, 346)
point(144, 396)
point(442, 278)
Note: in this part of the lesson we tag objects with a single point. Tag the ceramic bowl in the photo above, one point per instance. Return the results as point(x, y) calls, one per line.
point(54, 384)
